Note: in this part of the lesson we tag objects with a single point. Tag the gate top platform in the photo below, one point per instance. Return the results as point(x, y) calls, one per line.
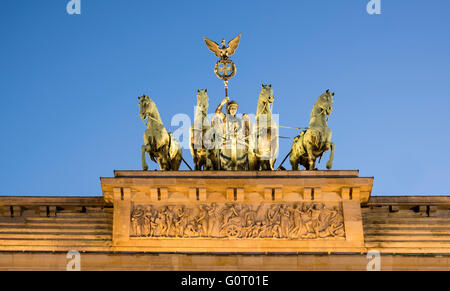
point(237, 211)
point(324, 185)
point(237, 174)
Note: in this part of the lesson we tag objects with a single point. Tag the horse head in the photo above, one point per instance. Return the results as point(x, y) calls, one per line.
point(325, 103)
point(266, 98)
point(147, 109)
point(202, 101)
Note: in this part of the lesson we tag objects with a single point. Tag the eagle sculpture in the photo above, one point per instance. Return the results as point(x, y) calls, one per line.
point(225, 51)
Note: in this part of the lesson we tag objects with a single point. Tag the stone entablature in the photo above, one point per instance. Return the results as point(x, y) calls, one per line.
point(278, 211)
point(222, 186)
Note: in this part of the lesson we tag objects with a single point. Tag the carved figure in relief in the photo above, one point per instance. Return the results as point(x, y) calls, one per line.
point(284, 221)
point(137, 222)
point(307, 229)
point(250, 214)
point(256, 230)
point(336, 222)
point(215, 220)
point(276, 230)
point(263, 231)
point(191, 230)
point(229, 212)
point(149, 212)
point(273, 214)
point(246, 230)
point(165, 216)
point(162, 226)
point(203, 220)
point(153, 227)
point(181, 221)
point(315, 218)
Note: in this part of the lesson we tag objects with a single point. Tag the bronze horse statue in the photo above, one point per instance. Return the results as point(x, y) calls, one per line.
point(264, 141)
point(199, 132)
point(316, 140)
point(161, 147)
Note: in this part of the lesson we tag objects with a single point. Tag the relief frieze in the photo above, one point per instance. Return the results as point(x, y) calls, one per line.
point(296, 221)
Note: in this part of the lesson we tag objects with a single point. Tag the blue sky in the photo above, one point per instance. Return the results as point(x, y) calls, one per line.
point(69, 83)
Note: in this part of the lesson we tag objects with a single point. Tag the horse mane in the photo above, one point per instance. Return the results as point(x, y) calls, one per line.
point(155, 111)
point(315, 109)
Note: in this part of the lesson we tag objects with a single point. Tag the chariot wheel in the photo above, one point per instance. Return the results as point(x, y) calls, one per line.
point(232, 231)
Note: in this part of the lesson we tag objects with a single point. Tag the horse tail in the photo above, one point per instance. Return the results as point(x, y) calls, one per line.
point(170, 140)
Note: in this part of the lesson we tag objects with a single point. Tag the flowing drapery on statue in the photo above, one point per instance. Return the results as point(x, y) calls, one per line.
point(316, 140)
point(232, 133)
point(158, 143)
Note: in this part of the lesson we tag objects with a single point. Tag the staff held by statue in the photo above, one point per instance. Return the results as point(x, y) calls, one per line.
point(225, 68)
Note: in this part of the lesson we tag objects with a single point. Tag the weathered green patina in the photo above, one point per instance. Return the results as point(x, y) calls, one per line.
point(158, 143)
point(316, 140)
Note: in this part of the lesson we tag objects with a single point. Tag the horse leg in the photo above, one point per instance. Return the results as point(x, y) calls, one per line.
point(215, 159)
point(311, 158)
point(209, 163)
point(294, 164)
point(267, 166)
point(162, 159)
point(251, 159)
point(294, 157)
point(144, 162)
point(330, 160)
point(176, 162)
point(203, 160)
point(165, 158)
point(195, 158)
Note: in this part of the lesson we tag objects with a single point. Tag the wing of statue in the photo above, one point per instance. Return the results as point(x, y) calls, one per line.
point(233, 44)
point(213, 46)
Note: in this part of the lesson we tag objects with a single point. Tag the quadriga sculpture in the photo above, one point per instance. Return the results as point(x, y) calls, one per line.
point(316, 140)
point(158, 143)
point(264, 141)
